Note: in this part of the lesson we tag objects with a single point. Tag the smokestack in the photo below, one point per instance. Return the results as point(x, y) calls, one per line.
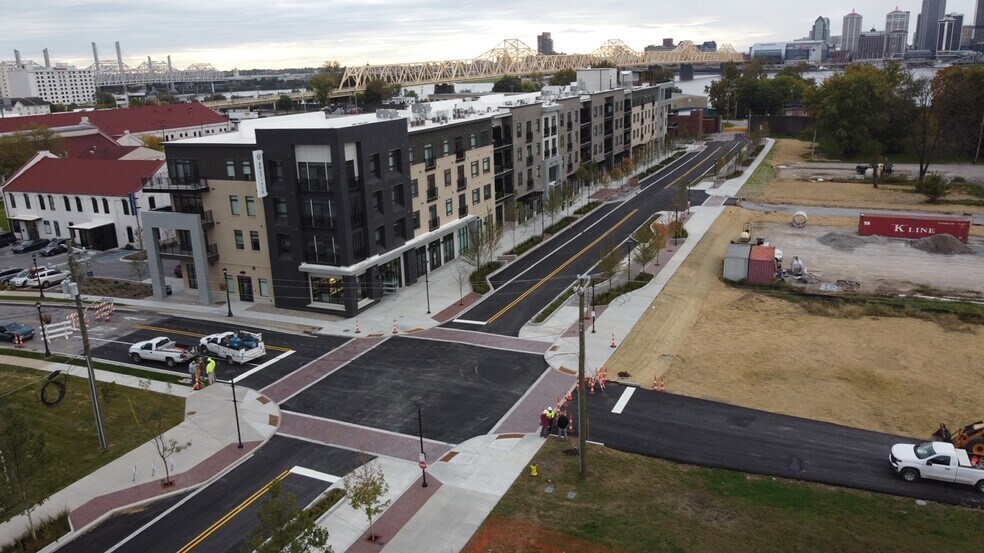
point(17, 58)
point(95, 57)
point(119, 57)
point(47, 60)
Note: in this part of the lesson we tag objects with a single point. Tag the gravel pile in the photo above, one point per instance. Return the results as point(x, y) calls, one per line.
point(945, 244)
point(839, 241)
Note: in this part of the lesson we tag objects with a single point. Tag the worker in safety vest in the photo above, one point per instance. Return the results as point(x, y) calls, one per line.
point(210, 370)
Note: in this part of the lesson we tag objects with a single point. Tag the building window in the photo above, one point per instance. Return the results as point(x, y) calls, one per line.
point(400, 228)
point(47, 226)
point(240, 243)
point(474, 168)
point(58, 230)
point(129, 234)
point(247, 171)
point(414, 188)
point(280, 209)
point(254, 240)
point(231, 170)
point(397, 194)
point(445, 147)
point(447, 177)
point(13, 202)
point(264, 287)
point(126, 207)
point(487, 191)
point(462, 240)
point(234, 204)
point(41, 202)
point(428, 154)
point(476, 196)
point(78, 204)
point(449, 206)
point(377, 201)
point(251, 206)
point(51, 202)
point(380, 236)
point(95, 205)
point(105, 205)
point(374, 165)
point(192, 276)
point(416, 220)
point(283, 245)
point(486, 165)
point(473, 140)
point(395, 160)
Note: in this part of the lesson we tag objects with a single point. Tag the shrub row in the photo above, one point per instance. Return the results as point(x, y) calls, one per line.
point(560, 225)
point(525, 246)
point(639, 281)
point(479, 279)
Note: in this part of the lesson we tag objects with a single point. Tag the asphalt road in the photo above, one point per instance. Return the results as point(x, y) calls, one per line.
point(531, 283)
point(466, 389)
point(188, 331)
point(713, 434)
point(118, 527)
point(196, 513)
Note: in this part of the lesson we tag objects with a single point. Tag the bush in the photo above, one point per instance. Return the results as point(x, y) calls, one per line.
point(639, 281)
point(934, 186)
point(525, 246)
point(677, 230)
point(560, 225)
point(587, 207)
point(479, 279)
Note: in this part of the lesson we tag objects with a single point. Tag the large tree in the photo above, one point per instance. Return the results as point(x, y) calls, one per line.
point(327, 79)
point(563, 77)
point(959, 104)
point(926, 131)
point(750, 89)
point(378, 91)
point(851, 107)
point(508, 83)
point(17, 149)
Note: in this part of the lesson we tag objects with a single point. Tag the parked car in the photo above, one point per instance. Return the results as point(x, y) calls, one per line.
point(55, 247)
point(7, 238)
point(7, 273)
point(20, 279)
point(30, 245)
point(9, 330)
point(46, 277)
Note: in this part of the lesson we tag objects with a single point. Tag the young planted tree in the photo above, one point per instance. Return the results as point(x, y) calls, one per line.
point(462, 271)
point(283, 527)
point(610, 263)
point(554, 203)
point(618, 176)
point(155, 425)
point(646, 252)
point(365, 488)
point(25, 460)
point(137, 261)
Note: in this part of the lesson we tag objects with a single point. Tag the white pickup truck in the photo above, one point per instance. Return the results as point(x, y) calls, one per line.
point(161, 349)
point(235, 347)
point(937, 461)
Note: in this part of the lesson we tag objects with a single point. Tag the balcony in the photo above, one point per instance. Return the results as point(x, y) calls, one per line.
point(431, 194)
point(529, 161)
point(434, 223)
point(204, 214)
point(462, 211)
point(430, 163)
point(462, 183)
point(180, 251)
point(529, 137)
point(168, 184)
point(315, 185)
point(553, 129)
point(459, 155)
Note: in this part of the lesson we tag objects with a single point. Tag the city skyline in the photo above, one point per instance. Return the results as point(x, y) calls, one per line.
point(278, 34)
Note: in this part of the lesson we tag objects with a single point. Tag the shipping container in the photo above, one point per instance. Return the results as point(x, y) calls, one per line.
point(913, 226)
point(762, 265)
point(736, 262)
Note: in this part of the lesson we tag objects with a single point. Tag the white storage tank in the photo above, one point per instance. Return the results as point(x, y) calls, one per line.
point(736, 262)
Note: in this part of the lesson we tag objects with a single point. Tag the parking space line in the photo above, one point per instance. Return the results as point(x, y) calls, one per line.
point(623, 400)
point(310, 473)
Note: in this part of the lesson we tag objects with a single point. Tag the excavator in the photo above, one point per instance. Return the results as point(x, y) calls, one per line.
point(970, 437)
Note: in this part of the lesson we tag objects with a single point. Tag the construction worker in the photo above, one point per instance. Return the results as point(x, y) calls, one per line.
point(210, 370)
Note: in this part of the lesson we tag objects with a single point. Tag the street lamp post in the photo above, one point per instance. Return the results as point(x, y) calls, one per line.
point(37, 273)
point(592, 307)
point(44, 333)
point(420, 430)
point(427, 287)
point(225, 282)
point(235, 409)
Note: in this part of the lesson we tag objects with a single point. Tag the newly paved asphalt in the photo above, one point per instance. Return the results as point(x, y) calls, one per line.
point(187, 332)
point(118, 527)
point(532, 282)
point(709, 433)
point(465, 389)
point(201, 509)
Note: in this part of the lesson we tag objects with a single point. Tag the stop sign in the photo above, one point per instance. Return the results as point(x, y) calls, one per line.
point(423, 465)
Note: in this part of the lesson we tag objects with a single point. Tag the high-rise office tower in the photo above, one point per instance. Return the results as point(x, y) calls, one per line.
point(544, 44)
point(979, 22)
point(897, 20)
point(948, 33)
point(821, 29)
point(851, 31)
point(929, 18)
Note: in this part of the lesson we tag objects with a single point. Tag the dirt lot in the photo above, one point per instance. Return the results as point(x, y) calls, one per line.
point(896, 375)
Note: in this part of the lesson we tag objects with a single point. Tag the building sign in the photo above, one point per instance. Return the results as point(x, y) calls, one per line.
point(260, 170)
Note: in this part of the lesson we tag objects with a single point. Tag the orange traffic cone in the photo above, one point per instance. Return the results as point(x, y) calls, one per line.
point(613, 340)
point(198, 384)
point(656, 384)
point(664, 383)
point(358, 329)
point(395, 331)
point(18, 341)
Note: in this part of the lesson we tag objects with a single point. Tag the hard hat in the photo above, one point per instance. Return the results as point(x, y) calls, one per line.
point(550, 409)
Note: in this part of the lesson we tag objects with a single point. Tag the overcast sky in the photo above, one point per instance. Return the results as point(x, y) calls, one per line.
point(299, 33)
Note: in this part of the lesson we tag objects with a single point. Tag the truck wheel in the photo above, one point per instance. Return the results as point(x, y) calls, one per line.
point(909, 475)
point(979, 486)
point(169, 361)
point(976, 446)
point(228, 359)
point(135, 357)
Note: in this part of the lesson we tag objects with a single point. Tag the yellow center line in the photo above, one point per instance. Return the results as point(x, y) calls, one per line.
point(196, 335)
point(231, 514)
point(586, 248)
point(560, 268)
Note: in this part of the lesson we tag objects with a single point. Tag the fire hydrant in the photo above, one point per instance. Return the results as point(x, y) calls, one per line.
point(533, 471)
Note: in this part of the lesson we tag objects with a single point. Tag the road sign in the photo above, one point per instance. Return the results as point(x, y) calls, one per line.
point(422, 465)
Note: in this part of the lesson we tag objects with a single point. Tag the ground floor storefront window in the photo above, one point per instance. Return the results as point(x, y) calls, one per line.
point(330, 290)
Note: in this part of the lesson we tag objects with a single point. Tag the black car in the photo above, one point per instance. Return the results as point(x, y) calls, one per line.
point(30, 245)
point(6, 273)
point(55, 247)
point(7, 238)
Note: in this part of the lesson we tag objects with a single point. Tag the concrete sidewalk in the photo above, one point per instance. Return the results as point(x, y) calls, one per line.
point(466, 482)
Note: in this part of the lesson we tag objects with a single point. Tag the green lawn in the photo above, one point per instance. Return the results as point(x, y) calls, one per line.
point(70, 427)
point(633, 503)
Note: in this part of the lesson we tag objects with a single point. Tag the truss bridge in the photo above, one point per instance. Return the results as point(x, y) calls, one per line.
point(513, 57)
